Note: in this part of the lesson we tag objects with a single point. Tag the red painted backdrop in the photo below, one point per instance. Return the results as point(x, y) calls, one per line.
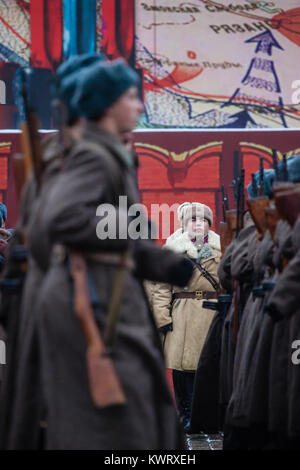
point(177, 166)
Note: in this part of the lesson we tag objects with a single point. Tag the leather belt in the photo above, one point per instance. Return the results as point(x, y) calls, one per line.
point(198, 294)
point(114, 259)
point(105, 257)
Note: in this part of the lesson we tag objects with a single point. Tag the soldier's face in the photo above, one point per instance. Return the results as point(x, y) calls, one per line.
point(197, 227)
point(126, 110)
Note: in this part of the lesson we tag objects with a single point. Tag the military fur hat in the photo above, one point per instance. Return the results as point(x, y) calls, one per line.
point(187, 210)
point(269, 178)
point(293, 168)
point(66, 79)
point(3, 211)
point(100, 85)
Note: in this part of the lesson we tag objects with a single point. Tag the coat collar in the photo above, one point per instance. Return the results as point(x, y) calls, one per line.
point(93, 133)
point(180, 242)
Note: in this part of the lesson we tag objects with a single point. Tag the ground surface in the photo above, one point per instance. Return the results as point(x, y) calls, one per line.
point(204, 441)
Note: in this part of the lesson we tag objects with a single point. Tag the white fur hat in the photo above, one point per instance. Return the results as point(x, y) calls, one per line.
point(189, 209)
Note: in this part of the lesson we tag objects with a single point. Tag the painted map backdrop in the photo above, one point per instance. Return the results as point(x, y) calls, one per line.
point(205, 63)
point(226, 63)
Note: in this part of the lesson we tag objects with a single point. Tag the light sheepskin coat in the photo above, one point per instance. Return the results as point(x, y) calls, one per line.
point(190, 321)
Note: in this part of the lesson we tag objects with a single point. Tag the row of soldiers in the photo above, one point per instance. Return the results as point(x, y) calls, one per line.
point(85, 368)
point(249, 364)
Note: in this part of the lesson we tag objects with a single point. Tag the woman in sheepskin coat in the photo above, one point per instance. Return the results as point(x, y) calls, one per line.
point(179, 313)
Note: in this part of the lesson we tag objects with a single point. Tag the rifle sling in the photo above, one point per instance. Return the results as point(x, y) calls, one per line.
point(105, 387)
point(115, 301)
point(207, 275)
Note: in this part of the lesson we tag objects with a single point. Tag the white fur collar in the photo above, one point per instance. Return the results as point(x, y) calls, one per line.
point(180, 242)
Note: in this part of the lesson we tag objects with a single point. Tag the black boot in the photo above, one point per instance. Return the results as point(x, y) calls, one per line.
point(183, 388)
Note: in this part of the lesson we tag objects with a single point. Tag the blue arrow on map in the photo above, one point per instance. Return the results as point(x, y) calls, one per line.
point(240, 122)
point(265, 42)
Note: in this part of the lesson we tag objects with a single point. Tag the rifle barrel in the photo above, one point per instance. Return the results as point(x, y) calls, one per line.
point(261, 177)
point(275, 163)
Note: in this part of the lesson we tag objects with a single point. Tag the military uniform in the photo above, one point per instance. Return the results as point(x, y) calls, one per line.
point(96, 173)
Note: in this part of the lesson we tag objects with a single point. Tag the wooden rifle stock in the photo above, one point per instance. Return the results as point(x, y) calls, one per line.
point(31, 145)
point(104, 383)
point(228, 229)
point(272, 218)
point(231, 220)
point(225, 236)
point(19, 173)
point(256, 208)
point(288, 205)
point(282, 186)
point(33, 159)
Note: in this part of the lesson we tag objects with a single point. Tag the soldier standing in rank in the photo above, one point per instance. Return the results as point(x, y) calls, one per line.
point(5, 236)
point(21, 410)
point(179, 313)
point(99, 171)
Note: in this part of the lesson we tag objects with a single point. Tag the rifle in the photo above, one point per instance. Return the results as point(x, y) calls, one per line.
point(285, 174)
point(261, 186)
point(257, 210)
point(275, 164)
point(288, 205)
point(19, 173)
point(104, 383)
point(254, 185)
point(236, 188)
point(231, 221)
point(225, 236)
point(30, 137)
point(225, 202)
point(272, 218)
point(281, 186)
point(242, 198)
point(239, 183)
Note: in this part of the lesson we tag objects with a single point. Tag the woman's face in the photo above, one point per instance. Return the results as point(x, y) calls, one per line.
point(197, 227)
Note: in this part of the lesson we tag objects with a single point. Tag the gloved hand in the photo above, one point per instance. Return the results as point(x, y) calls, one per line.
point(164, 329)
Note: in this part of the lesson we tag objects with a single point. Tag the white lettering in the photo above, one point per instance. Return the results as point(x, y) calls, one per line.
point(2, 92)
point(2, 352)
point(296, 94)
point(296, 354)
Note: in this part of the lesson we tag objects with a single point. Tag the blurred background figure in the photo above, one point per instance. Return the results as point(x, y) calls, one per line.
point(5, 234)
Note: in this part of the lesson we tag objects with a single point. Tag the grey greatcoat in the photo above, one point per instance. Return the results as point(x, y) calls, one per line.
point(284, 403)
point(97, 173)
point(241, 269)
point(23, 431)
point(248, 338)
point(10, 312)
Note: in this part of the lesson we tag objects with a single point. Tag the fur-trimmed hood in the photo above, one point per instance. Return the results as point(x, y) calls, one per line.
point(180, 242)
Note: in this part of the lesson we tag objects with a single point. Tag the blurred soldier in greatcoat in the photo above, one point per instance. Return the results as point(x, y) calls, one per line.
point(99, 171)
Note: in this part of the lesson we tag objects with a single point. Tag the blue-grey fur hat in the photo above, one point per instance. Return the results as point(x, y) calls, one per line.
point(67, 76)
point(3, 211)
point(100, 85)
point(293, 168)
point(269, 178)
